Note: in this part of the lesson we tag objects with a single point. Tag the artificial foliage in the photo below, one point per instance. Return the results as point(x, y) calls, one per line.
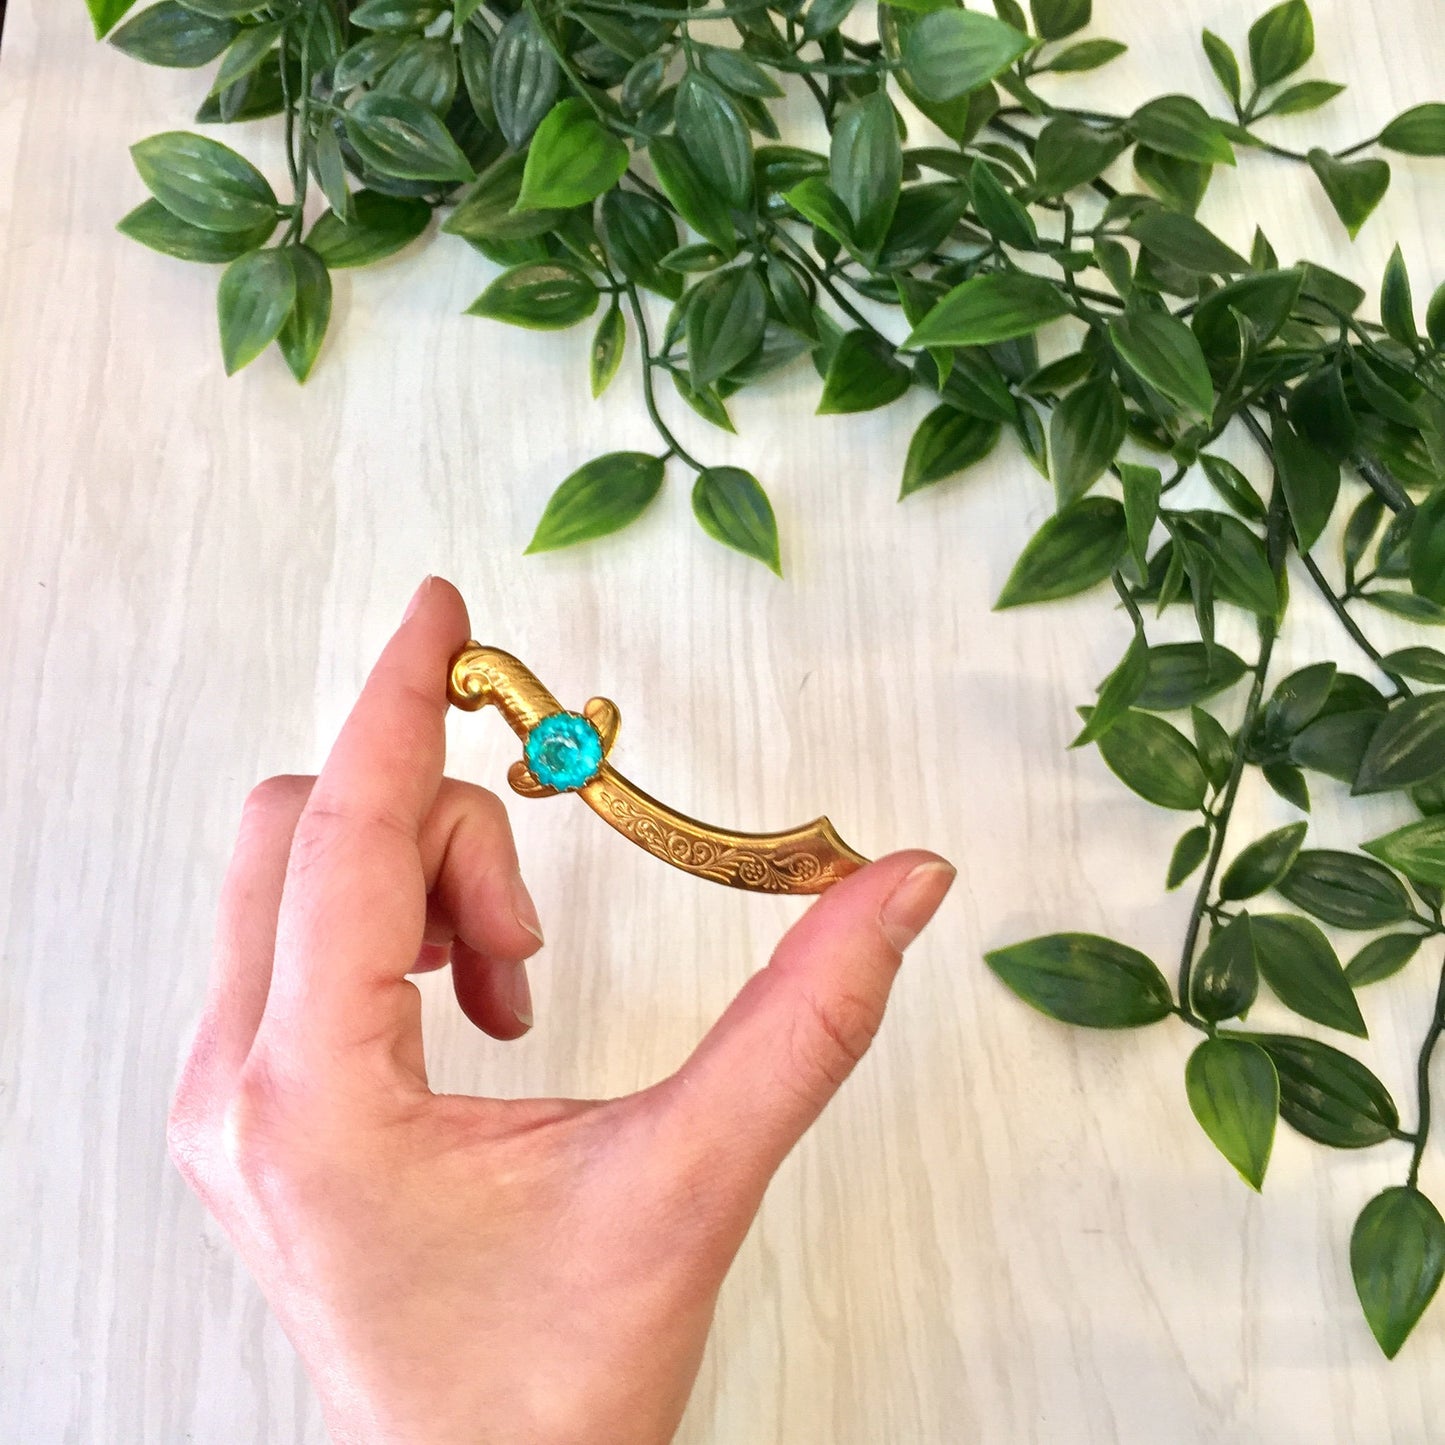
point(623, 165)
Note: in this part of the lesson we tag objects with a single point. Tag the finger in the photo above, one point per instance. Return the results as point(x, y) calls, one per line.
point(245, 943)
point(353, 910)
point(793, 1035)
point(494, 993)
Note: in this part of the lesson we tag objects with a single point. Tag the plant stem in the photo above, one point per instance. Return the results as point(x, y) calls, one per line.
point(1422, 1079)
point(649, 397)
point(805, 259)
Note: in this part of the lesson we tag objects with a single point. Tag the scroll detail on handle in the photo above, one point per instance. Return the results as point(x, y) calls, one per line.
point(567, 752)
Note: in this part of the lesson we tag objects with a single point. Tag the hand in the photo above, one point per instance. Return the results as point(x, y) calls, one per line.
point(457, 1270)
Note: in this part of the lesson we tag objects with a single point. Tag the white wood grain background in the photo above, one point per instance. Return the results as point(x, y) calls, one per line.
point(1004, 1230)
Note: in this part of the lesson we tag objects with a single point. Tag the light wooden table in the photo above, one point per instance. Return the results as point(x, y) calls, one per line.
point(1004, 1231)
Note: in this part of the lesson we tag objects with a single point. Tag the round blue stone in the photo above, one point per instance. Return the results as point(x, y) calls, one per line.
point(564, 751)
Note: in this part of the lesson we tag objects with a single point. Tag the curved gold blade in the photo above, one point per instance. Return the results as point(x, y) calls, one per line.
point(801, 860)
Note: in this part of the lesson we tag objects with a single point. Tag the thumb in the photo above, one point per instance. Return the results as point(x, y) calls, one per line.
point(787, 1042)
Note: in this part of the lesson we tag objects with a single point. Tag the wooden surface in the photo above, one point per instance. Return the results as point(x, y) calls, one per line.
point(1005, 1230)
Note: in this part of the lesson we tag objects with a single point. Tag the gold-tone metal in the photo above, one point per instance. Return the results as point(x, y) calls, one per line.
point(801, 860)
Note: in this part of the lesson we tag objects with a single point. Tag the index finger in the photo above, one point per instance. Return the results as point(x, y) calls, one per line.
point(353, 910)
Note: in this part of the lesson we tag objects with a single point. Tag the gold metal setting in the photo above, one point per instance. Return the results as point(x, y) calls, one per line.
point(802, 860)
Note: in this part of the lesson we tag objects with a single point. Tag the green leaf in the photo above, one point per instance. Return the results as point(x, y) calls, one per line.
point(1407, 748)
point(725, 323)
point(1180, 184)
point(1074, 550)
point(1162, 351)
point(169, 34)
point(1419, 131)
point(1080, 978)
point(990, 308)
point(1382, 957)
point(638, 232)
point(1142, 488)
point(863, 374)
point(1295, 959)
point(1416, 850)
point(542, 296)
point(951, 52)
point(366, 60)
point(105, 13)
point(1234, 1093)
point(1423, 664)
point(1280, 41)
point(1427, 548)
point(256, 296)
point(1070, 153)
point(1311, 482)
point(524, 78)
point(716, 137)
point(1189, 853)
point(1216, 751)
point(1177, 125)
point(925, 217)
point(1085, 434)
point(380, 227)
point(486, 213)
point(817, 202)
point(1086, 55)
point(1054, 19)
point(154, 226)
point(1182, 241)
point(572, 160)
point(1263, 863)
point(1354, 188)
point(246, 52)
point(1322, 415)
point(204, 182)
point(1184, 673)
point(305, 329)
point(998, 212)
point(1306, 96)
point(1117, 691)
point(597, 499)
point(396, 137)
point(947, 441)
point(1225, 979)
point(695, 198)
point(1346, 890)
point(734, 510)
point(608, 346)
point(1328, 1096)
point(395, 14)
point(1225, 65)
point(1397, 309)
point(866, 166)
point(1289, 782)
point(425, 71)
point(1408, 606)
point(1154, 760)
point(1397, 1258)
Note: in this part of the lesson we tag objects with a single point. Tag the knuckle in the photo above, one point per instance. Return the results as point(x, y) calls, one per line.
point(832, 1037)
point(257, 1134)
point(286, 792)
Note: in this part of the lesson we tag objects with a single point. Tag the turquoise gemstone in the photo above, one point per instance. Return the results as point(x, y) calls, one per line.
point(564, 751)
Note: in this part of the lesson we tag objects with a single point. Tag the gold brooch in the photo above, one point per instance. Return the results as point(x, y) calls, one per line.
point(566, 752)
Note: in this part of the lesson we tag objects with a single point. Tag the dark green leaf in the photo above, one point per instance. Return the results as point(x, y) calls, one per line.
point(542, 296)
point(1085, 434)
point(1427, 548)
point(1306, 96)
point(1382, 958)
point(951, 52)
point(998, 212)
point(1189, 853)
point(154, 226)
point(866, 166)
point(716, 137)
point(734, 510)
point(171, 35)
point(1142, 487)
point(1233, 486)
point(946, 442)
point(1295, 959)
point(600, 497)
point(638, 232)
point(1074, 550)
point(1162, 351)
point(988, 309)
point(256, 296)
point(1408, 747)
point(706, 403)
point(1321, 414)
point(725, 323)
point(380, 227)
point(1182, 241)
point(1423, 664)
point(1419, 131)
point(1216, 751)
point(204, 182)
point(817, 202)
point(525, 78)
point(1224, 64)
point(1155, 760)
point(1417, 850)
point(396, 137)
point(1409, 606)
point(1177, 125)
point(246, 52)
point(305, 329)
point(736, 72)
point(1280, 41)
point(608, 346)
point(697, 200)
point(1327, 1095)
point(925, 217)
point(1080, 978)
point(1289, 783)
point(1117, 691)
point(1297, 700)
point(863, 374)
point(1234, 1093)
point(366, 60)
point(1225, 979)
point(486, 212)
point(1397, 309)
point(1184, 673)
point(1397, 1258)
point(1086, 55)
point(1311, 482)
point(1354, 188)
point(1071, 153)
point(1179, 183)
point(395, 14)
point(571, 160)
point(1335, 744)
point(1263, 863)
point(1346, 890)
point(1241, 569)
point(1054, 19)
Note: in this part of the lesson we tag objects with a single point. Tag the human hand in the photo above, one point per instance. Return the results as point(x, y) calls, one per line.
point(452, 1269)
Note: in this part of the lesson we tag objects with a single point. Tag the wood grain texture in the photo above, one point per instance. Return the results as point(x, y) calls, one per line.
point(1004, 1231)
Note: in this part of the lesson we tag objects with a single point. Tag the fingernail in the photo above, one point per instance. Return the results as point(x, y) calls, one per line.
point(525, 910)
point(914, 901)
point(521, 995)
point(417, 598)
